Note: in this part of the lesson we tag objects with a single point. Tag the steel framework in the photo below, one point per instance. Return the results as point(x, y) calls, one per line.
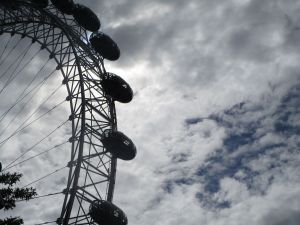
point(92, 169)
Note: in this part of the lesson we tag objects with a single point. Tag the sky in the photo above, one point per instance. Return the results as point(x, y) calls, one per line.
point(215, 114)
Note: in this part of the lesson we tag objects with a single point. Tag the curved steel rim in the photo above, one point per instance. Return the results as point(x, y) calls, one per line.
point(40, 24)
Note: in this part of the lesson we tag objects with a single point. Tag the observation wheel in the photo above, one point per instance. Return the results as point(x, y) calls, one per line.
point(58, 121)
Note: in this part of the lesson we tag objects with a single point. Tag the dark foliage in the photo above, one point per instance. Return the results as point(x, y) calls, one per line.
point(11, 221)
point(10, 194)
point(9, 178)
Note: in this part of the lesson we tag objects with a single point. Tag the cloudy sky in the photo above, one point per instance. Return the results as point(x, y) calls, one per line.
point(215, 116)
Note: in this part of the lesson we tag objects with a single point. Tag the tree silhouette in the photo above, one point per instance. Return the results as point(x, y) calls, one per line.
point(9, 194)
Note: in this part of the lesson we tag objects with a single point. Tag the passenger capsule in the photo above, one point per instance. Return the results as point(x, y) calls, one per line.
point(119, 145)
point(105, 46)
point(106, 213)
point(86, 18)
point(65, 6)
point(41, 3)
point(117, 88)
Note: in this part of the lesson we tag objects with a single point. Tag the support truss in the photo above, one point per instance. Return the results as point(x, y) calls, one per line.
point(91, 168)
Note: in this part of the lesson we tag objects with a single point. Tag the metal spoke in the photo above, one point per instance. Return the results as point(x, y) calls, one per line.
point(91, 168)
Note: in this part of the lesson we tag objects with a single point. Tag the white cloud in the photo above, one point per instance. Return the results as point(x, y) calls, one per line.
point(187, 61)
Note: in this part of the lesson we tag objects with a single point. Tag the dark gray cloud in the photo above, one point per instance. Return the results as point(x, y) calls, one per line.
point(282, 217)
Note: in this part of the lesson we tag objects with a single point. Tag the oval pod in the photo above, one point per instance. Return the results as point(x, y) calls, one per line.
point(86, 18)
point(105, 46)
point(119, 145)
point(65, 6)
point(41, 3)
point(117, 88)
point(106, 213)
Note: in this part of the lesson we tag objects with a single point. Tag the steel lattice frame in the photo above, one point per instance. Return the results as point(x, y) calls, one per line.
point(91, 168)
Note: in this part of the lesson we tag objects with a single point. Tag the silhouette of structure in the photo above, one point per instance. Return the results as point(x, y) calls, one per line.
point(62, 28)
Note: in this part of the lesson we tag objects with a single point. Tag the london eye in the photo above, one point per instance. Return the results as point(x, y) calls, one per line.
point(57, 109)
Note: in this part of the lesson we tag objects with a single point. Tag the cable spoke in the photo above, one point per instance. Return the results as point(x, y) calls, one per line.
point(22, 68)
point(45, 223)
point(44, 177)
point(4, 49)
point(37, 143)
point(18, 131)
point(11, 50)
point(32, 114)
point(16, 62)
point(40, 196)
point(44, 152)
point(21, 96)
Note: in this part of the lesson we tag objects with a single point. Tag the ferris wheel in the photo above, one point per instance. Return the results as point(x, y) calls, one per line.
point(57, 112)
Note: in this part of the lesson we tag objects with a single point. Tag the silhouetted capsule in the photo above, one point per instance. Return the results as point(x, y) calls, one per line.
point(119, 145)
point(0, 166)
point(65, 6)
point(106, 213)
point(117, 88)
point(86, 18)
point(105, 46)
point(41, 3)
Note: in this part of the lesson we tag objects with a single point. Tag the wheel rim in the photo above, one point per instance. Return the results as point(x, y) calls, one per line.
point(66, 44)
